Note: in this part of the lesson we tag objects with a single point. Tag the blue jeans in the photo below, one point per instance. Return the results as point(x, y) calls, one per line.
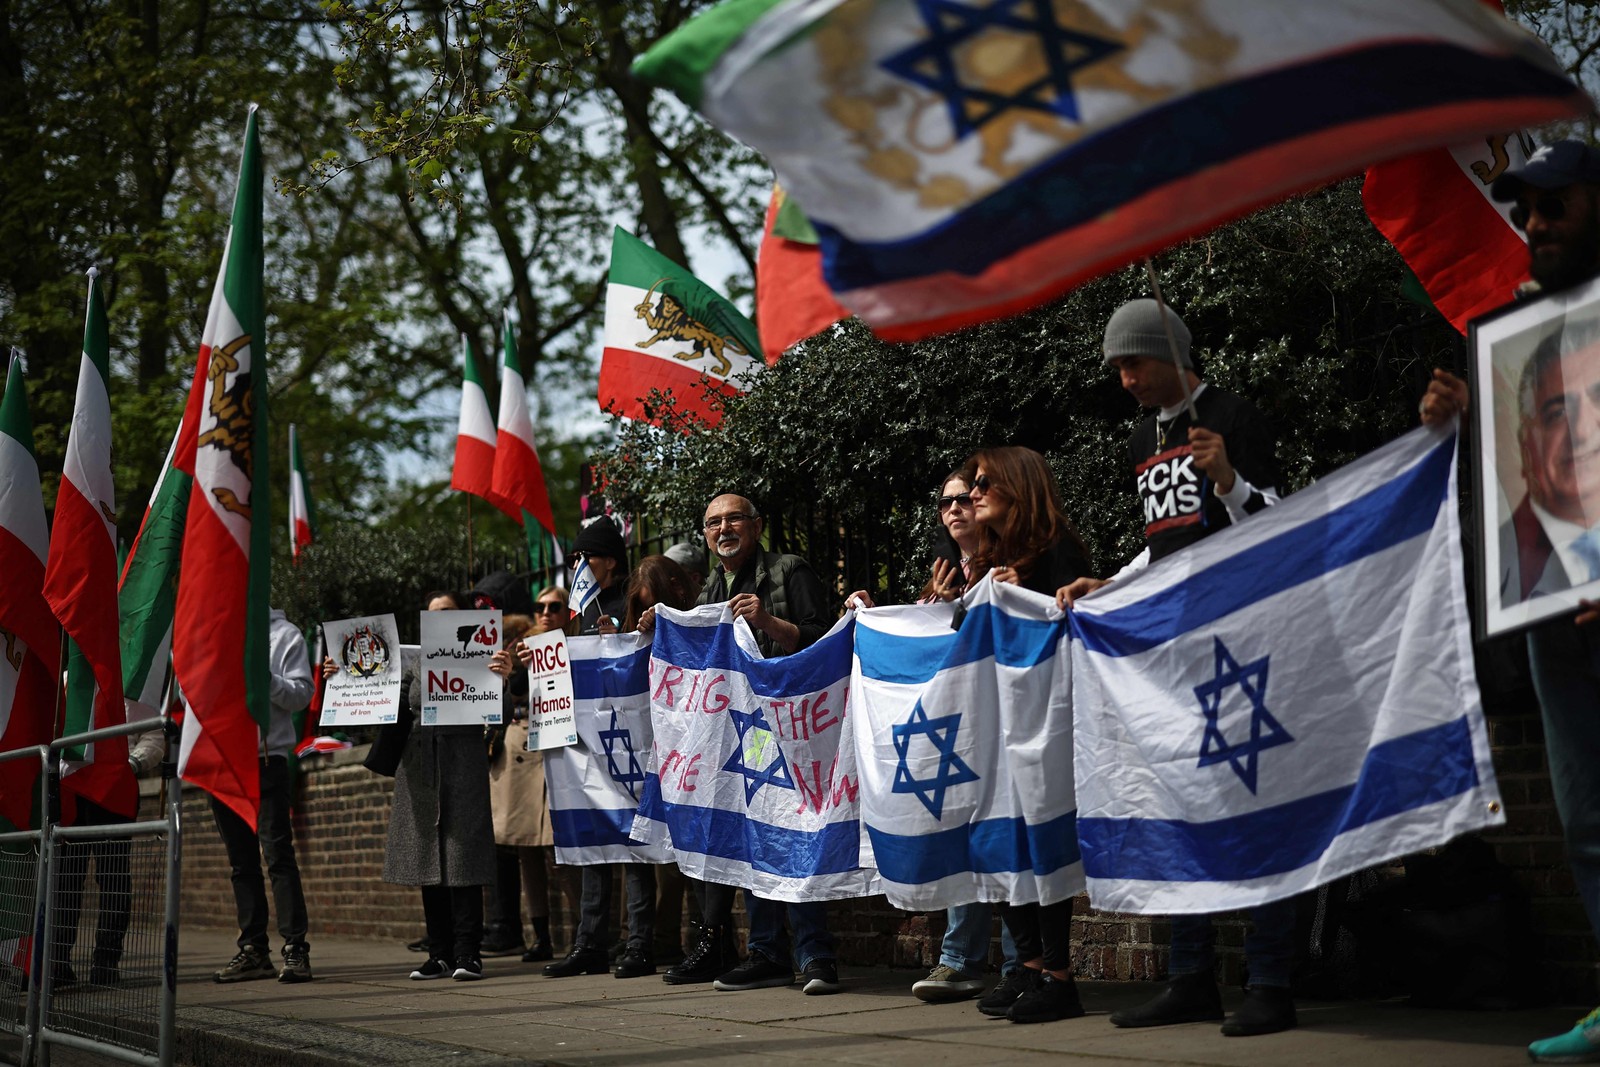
point(594, 923)
point(1566, 675)
point(966, 940)
point(812, 942)
point(1268, 947)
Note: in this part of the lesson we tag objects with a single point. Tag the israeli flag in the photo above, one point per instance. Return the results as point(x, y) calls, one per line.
point(965, 746)
point(1286, 702)
point(755, 781)
point(595, 785)
point(584, 588)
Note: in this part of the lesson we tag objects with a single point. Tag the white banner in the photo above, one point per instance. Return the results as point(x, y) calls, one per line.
point(458, 688)
point(550, 723)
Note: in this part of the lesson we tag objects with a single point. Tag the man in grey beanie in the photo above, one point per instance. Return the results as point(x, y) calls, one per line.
point(1195, 476)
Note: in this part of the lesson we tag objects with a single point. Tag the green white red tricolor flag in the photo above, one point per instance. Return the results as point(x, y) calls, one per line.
point(518, 477)
point(80, 580)
point(473, 471)
point(302, 519)
point(793, 300)
point(30, 638)
point(222, 605)
point(669, 331)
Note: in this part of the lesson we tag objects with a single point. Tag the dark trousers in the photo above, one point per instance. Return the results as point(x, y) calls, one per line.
point(594, 928)
point(453, 915)
point(274, 839)
point(111, 877)
point(504, 917)
point(1041, 931)
point(716, 903)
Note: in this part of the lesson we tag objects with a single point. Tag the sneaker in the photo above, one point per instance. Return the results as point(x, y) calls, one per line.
point(1051, 998)
point(540, 952)
point(946, 983)
point(104, 974)
point(583, 959)
point(250, 963)
point(1267, 1009)
point(1581, 1044)
point(757, 972)
point(468, 970)
point(1186, 998)
point(712, 955)
point(296, 964)
point(433, 968)
point(635, 963)
point(821, 977)
point(419, 945)
point(998, 1003)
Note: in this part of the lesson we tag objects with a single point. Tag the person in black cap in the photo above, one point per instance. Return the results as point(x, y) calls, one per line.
point(1555, 200)
point(601, 544)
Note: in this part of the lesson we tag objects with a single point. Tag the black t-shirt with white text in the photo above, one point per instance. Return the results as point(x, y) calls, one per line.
point(1180, 503)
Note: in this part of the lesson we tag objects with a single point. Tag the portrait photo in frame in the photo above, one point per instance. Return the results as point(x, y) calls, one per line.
point(1536, 412)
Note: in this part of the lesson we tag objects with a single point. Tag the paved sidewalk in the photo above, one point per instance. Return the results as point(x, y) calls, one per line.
point(361, 1008)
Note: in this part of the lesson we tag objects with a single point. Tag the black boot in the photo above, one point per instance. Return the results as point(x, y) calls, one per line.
point(709, 958)
point(1267, 1009)
point(583, 959)
point(1187, 998)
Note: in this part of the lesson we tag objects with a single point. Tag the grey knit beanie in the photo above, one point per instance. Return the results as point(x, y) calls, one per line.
point(1135, 330)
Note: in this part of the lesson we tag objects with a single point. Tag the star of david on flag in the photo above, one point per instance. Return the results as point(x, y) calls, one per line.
point(755, 738)
point(614, 738)
point(960, 37)
point(1265, 731)
point(952, 769)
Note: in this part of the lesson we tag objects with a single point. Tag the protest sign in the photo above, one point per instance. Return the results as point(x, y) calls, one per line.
point(550, 723)
point(366, 689)
point(458, 688)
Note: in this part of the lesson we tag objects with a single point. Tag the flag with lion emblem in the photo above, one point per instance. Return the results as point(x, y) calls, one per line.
point(667, 330)
point(964, 161)
point(223, 585)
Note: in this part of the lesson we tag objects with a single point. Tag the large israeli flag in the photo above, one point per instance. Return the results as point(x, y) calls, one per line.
point(595, 785)
point(965, 746)
point(755, 781)
point(1286, 702)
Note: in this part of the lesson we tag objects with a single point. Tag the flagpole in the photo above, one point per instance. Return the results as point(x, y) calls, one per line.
point(1172, 343)
point(469, 537)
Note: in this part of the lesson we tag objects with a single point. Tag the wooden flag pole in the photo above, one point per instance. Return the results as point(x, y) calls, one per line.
point(1172, 343)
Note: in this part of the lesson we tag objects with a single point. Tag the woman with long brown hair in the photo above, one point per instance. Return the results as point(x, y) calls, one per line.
point(1029, 541)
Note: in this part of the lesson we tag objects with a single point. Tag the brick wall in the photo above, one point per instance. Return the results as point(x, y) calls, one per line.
point(342, 812)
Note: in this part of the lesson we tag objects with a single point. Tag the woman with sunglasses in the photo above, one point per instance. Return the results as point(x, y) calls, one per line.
point(516, 778)
point(1026, 539)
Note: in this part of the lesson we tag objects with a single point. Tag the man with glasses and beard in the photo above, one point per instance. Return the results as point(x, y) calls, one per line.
point(1556, 202)
point(783, 601)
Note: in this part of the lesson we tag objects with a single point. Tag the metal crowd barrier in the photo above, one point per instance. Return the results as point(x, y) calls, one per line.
point(92, 973)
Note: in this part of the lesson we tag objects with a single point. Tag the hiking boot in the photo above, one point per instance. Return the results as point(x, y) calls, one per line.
point(249, 964)
point(710, 957)
point(757, 972)
point(998, 1003)
point(1267, 1009)
point(820, 978)
point(296, 964)
point(433, 968)
point(945, 984)
point(468, 970)
point(635, 963)
point(1186, 998)
point(540, 951)
point(583, 959)
point(1581, 1044)
point(1051, 998)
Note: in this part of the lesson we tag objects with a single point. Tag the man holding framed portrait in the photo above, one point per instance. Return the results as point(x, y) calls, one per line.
point(1537, 369)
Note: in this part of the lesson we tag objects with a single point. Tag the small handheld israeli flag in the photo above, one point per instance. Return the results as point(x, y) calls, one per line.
point(584, 588)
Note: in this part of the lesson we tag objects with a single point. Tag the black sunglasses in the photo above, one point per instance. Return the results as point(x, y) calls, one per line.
point(545, 607)
point(982, 483)
point(947, 502)
point(1551, 208)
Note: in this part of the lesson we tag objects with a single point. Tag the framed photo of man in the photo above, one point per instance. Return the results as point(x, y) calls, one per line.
point(1537, 420)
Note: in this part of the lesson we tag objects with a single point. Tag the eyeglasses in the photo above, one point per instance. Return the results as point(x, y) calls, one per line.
point(726, 520)
point(981, 484)
point(1550, 206)
point(957, 500)
point(549, 607)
